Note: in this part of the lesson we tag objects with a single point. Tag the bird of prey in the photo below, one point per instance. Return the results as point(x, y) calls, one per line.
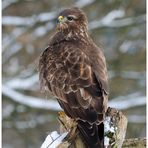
point(74, 69)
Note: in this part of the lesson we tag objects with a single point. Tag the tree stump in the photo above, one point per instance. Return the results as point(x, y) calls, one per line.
point(115, 125)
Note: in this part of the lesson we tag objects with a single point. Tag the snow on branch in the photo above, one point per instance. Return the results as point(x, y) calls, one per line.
point(136, 119)
point(122, 102)
point(137, 75)
point(43, 17)
point(30, 101)
point(27, 83)
point(42, 30)
point(53, 140)
point(30, 122)
point(18, 21)
point(15, 48)
point(133, 75)
point(9, 39)
point(28, 21)
point(109, 20)
point(23, 84)
point(113, 23)
point(129, 101)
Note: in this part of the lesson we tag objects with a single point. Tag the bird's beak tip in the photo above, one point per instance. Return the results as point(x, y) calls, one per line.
point(60, 18)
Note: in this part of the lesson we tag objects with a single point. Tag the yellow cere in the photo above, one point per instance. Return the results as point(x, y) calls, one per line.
point(60, 18)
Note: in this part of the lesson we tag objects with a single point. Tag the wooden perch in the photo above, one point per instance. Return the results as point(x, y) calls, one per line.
point(115, 125)
point(115, 129)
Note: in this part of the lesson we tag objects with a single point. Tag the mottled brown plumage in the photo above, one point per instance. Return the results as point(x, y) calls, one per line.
point(74, 69)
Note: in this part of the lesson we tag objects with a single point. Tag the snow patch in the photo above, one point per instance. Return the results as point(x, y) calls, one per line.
point(53, 140)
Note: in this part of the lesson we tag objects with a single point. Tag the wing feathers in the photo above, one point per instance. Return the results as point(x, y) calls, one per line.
point(73, 81)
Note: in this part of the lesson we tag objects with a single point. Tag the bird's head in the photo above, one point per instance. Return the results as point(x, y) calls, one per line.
point(72, 19)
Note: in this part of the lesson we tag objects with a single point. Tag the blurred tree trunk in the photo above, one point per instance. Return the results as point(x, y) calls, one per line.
point(134, 143)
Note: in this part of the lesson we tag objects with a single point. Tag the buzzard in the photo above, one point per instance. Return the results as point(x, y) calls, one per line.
point(73, 68)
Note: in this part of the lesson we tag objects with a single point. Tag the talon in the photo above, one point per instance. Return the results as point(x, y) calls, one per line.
point(61, 113)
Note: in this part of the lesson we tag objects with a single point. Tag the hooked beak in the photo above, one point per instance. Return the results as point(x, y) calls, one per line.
point(62, 23)
point(61, 19)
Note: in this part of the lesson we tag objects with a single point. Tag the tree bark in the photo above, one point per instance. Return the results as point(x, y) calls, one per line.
point(115, 129)
point(115, 125)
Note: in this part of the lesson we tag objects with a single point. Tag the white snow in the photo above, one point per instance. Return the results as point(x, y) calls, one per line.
point(122, 102)
point(26, 83)
point(53, 140)
point(108, 128)
point(107, 124)
point(107, 19)
point(136, 118)
point(17, 21)
point(106, 142)
point(29, 100)
point(83, 3)
point(125, 102)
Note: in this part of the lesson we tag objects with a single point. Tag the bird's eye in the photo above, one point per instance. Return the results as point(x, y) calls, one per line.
point(70, 18)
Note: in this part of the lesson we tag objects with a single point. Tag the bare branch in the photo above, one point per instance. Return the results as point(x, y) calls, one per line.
point(43, 17)
point(120, 102)
point(30, 101)
point(112, 23)
point(23, 84)
point(129, 101)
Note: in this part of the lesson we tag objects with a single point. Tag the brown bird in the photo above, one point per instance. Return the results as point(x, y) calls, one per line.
point(73, 68)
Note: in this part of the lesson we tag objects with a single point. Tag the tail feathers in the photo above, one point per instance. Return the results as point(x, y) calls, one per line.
point(93, 135)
